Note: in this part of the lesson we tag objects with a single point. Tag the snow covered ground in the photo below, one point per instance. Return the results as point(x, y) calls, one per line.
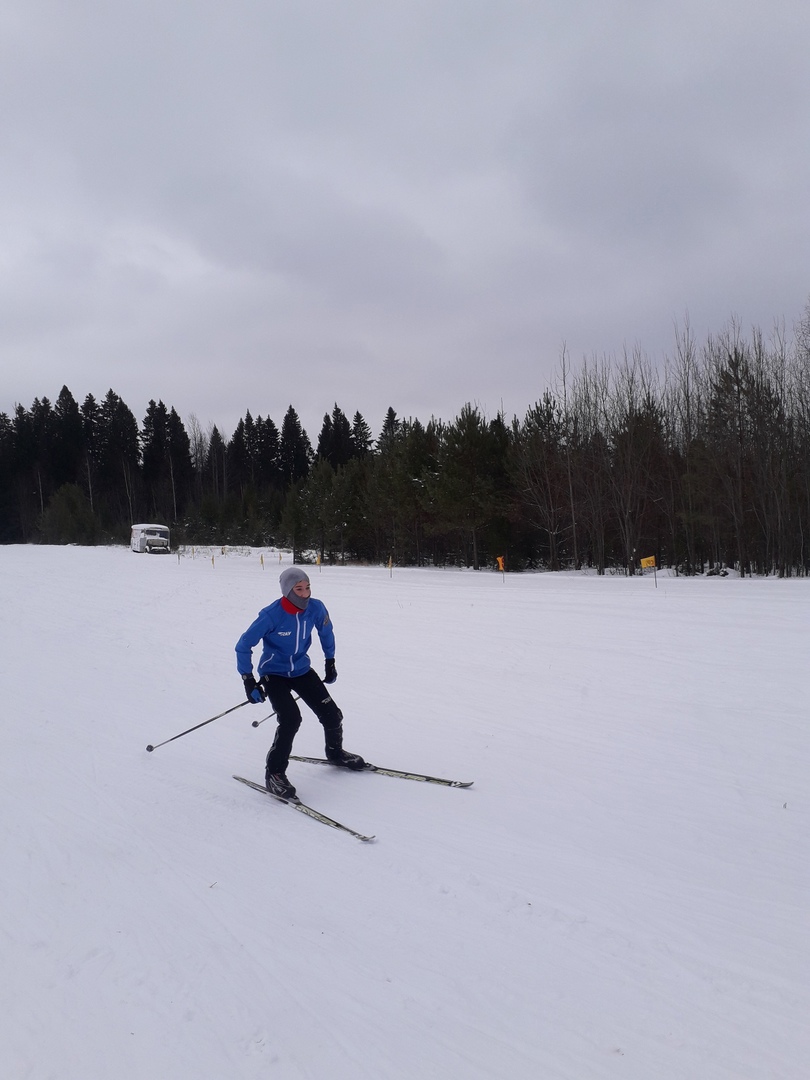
point(623, 893)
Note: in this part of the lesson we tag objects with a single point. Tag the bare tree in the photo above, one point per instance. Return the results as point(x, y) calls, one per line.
point(571, 443)
point(539, 473)
point(198, 441)
point(633, 426)
point(685, 410)
point(589, 397)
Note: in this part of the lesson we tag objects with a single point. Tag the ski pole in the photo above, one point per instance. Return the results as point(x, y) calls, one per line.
point(150, 748)
point(273, 713)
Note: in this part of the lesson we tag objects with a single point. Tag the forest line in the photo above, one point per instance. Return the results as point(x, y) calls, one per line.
point(704, 464)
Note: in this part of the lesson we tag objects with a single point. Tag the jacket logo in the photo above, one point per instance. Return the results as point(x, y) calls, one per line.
point(284, 633)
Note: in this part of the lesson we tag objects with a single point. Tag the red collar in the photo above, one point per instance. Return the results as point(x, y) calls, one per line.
point(290, 608)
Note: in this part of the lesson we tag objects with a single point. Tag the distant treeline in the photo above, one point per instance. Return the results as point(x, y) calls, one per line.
point(704, 465)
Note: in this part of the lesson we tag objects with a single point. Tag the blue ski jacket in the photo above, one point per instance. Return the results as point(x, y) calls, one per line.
point(285, 639)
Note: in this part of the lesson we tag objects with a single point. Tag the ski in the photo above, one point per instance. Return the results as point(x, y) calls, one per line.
point(391, 772)
point(304, 809)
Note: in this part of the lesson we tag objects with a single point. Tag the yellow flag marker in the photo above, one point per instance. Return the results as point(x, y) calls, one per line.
point(650, 562)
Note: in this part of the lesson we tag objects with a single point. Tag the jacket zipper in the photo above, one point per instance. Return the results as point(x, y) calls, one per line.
point(297, 641)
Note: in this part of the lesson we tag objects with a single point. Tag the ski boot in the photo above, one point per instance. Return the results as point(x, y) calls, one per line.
point(337, 755)
point(278, 784)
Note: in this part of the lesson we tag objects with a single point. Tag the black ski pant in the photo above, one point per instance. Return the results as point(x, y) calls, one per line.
point(311, 690)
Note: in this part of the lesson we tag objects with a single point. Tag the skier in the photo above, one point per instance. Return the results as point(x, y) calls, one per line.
point(285, 629)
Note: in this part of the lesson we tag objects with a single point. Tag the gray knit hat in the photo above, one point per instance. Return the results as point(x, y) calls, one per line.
point(288, 579)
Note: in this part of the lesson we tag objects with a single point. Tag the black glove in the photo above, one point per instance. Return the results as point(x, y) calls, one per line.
point(254, 691)
point(331, 672)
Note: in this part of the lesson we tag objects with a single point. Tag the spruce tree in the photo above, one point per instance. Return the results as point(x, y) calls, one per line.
point(118, 461)
point(68, 440)
point(9, 528)
point(237, 457)
point(465, 491)
point(215, 464)
point(181, 470)
point(90, 414)
point(390, 430)
point(361, 436)
point(267, 450)
point(295, 452)
point(325, 439)
point(342, 447)
point(155, 449)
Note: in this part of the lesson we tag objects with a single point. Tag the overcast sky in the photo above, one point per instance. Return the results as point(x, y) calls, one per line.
point(414, 203)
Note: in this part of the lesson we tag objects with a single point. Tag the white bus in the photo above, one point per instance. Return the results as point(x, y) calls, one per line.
point(151, 538)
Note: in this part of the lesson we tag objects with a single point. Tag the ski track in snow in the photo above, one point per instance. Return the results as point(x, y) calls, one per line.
point(623, 893)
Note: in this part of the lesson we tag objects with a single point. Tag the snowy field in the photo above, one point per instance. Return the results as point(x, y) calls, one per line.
point(624, 893)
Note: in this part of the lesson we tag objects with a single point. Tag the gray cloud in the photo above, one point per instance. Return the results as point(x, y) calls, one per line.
point(412, 204)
